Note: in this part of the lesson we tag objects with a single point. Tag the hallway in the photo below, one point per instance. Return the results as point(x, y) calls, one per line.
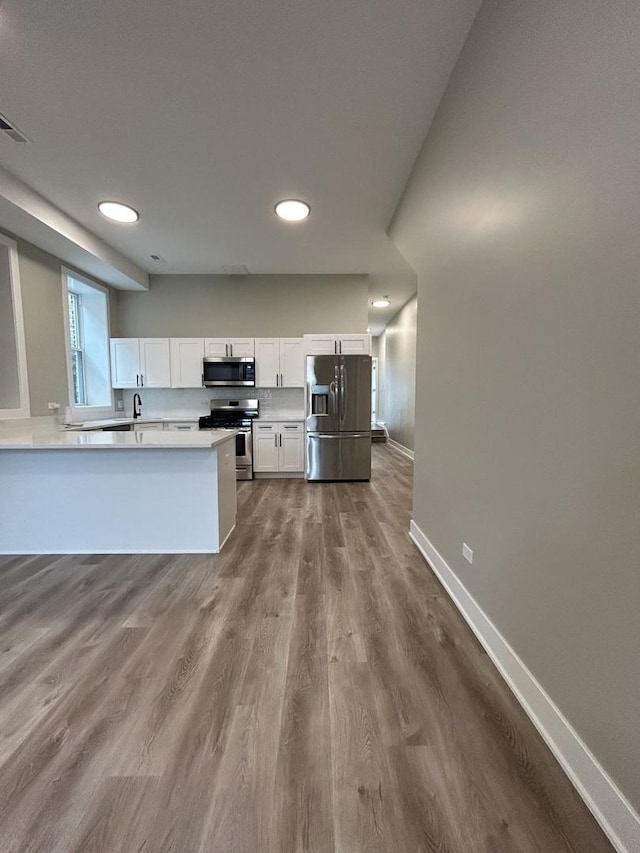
point(312, 688)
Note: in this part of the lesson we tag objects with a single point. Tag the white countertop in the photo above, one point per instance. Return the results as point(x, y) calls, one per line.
point(107, 422)
point(282, 417)
point(71, 439)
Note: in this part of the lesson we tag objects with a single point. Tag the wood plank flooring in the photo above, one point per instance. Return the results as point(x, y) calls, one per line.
point(310, 690)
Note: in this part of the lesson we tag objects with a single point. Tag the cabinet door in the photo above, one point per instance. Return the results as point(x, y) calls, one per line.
point(292, 362)
point(155, 363)
point(267, 362)
point(354, 344)
point(125, 363)
point(265, 447)
point(241, 347)
point(291, 447)
point(216, 347)
point(320, 344)
point(186, 362)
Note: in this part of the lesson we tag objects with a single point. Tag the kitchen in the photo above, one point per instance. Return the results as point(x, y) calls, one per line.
point(168, 375)
point(442, 659)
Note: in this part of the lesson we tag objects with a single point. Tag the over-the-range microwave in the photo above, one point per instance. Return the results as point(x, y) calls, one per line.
point(228, 371)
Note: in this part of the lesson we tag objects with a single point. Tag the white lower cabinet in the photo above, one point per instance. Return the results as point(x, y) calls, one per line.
point(181, 426)
point(148, 426)
point(278, 447)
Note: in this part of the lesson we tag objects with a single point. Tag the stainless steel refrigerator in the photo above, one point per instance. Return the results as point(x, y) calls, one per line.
point(338, 417)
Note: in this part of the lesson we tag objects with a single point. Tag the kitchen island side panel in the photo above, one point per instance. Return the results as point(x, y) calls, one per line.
point(109, 501)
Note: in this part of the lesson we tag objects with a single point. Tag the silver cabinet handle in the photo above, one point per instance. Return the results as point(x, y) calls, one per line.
point(137, 380)
point(264, 427)
point(276, 438)
point(141, 380)
point(281, 381)
point(230, 349)
point(276, 380)
point(341, 346)
point(335, 347)
point(281, 440)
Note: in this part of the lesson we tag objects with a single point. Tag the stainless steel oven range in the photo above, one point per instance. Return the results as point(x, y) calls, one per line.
point(235, 414)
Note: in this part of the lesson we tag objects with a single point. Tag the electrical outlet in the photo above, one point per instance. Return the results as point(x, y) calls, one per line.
point(53, 407)
point(120, 405)
point(467, 553)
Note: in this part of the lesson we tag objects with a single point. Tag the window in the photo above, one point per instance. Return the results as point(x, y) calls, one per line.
point(87, 320)
point(77, 354)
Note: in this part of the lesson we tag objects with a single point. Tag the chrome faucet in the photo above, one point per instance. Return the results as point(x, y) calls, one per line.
point(137, 402)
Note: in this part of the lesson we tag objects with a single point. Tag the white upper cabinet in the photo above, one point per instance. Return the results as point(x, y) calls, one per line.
point(186, 362)
point(140, 363)
point(242, 347)
point(356, 344)
point(155, 363)
point(279, 362)
point(216, 347)
point(125, 363)
point(320, 344)
point(222, 347)
point(267, 362)
point(292, 362)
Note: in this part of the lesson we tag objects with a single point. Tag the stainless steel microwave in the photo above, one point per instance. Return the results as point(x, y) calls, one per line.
point(229, 371)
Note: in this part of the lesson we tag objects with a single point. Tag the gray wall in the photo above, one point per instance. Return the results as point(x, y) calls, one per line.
point(397, 374)
point(41, 285)
point(252, 306)
point(42, 305)
point(522, 221)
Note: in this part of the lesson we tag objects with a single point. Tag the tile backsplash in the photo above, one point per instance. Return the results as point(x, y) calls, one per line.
point(193, 402)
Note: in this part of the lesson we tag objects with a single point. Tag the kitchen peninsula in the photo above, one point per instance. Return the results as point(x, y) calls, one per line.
point(65, 492)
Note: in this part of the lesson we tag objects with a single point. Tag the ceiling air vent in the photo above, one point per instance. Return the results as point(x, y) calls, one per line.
point(158, 259)
point(237, 269)
point(12, 131)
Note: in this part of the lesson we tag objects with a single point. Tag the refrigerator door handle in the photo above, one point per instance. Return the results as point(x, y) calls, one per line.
point(343, 391)
point(335, 392)
point(338, 435)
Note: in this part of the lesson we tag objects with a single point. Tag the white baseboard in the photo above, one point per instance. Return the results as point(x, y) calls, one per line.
point(604, 799)
point(400, 448)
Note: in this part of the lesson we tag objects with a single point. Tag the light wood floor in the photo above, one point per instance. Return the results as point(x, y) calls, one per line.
point(310, 689)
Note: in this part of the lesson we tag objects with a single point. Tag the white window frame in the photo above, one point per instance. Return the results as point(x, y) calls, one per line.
point(84, 413)
point(24, 409)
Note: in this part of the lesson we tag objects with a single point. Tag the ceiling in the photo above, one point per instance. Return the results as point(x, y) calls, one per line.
point(202, 114)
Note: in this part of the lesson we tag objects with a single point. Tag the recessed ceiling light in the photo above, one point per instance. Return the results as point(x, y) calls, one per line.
point(118, 212)
point(381, 303)
point(292, 210)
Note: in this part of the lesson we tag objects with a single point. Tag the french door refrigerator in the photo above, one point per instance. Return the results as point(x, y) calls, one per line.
point(338, 417)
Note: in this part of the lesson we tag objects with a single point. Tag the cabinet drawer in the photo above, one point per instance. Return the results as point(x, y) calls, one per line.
point(265, 428)
point(287, 429)
point(181, 427)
